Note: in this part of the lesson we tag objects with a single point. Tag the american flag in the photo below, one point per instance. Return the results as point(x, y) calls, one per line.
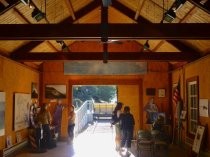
point(176, 96)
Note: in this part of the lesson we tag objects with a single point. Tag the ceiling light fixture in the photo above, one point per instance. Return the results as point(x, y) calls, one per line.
point(146, 45)
point(37, 14)
point(64, 47)
point(170, 15)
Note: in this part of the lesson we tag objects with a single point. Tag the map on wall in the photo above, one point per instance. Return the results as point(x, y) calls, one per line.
point(99, 68)
point(21, 111)
point(2, 113)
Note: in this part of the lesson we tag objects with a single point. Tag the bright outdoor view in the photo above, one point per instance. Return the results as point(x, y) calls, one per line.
point(101, 98)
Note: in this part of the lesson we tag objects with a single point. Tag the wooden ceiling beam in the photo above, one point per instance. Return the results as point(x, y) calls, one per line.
point(132, 56)
point(70, 8)
point(115, 31)
point(130, 13)
point(139, 8)
point(80, 13)
point(189, 14)
point(20, 16)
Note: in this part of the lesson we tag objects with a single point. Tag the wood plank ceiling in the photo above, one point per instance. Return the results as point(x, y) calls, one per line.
point(67, 12)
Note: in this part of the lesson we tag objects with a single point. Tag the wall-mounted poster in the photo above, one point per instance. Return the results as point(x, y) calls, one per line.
point(55, 91)
point(204, 107)
point(34, 90)
point(2, 113)
point(21, 111)
point(198, 139)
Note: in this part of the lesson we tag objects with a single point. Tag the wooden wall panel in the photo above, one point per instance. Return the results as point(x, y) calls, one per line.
point(157, 77)
point(201, 69)
point(130, 96)
point(16, 78)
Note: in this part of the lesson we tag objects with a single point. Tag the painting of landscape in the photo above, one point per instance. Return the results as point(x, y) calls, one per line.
point(2, 113)
point(55, 91)
point(99, 68)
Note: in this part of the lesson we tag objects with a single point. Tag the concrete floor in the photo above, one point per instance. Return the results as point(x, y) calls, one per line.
point(97, 141)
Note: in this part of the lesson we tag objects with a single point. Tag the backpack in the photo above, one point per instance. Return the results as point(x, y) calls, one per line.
point(114, 119)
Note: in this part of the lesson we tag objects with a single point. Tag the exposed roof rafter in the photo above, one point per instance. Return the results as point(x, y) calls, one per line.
point(130, 13)
point(80, 13)
point(133, 56)
point(115, 31)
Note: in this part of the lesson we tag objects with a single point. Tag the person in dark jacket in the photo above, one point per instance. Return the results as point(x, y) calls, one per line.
point(127, 127)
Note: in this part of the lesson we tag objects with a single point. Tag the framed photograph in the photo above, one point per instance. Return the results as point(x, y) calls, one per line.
point(161, 93)
point(34, 90)
point(2, 113)
point(21, 110)
point(55, 91)
point(183, 115)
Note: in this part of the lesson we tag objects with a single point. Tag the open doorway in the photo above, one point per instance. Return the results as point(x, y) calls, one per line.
point(94, 105)
point(100, 98)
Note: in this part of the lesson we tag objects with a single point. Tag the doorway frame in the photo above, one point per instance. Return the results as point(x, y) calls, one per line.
point(110, 81)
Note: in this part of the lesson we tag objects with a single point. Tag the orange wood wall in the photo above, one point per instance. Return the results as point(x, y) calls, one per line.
point(14, 77)
point(131, 95)
point(201, 69)
point(157, 77)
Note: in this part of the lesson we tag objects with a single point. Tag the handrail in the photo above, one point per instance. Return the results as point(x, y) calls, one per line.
point(84, 115)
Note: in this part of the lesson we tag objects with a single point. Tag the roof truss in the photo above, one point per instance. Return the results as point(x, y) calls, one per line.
point(132, 56)
point(114, 31)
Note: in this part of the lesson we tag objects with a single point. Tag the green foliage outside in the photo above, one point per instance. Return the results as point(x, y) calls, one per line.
point(96, 93)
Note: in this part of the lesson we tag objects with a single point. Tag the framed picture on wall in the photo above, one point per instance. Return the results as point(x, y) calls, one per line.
point(22, 103)
point(161, 93)
point(55, 91)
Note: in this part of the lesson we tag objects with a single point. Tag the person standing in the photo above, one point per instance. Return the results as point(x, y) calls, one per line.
point(44, 119)
point(57, 117)
point(127, 126)
point(116, 122)
point(71, 124)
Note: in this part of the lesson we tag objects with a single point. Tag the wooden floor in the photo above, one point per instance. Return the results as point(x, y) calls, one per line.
point(97, 141)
